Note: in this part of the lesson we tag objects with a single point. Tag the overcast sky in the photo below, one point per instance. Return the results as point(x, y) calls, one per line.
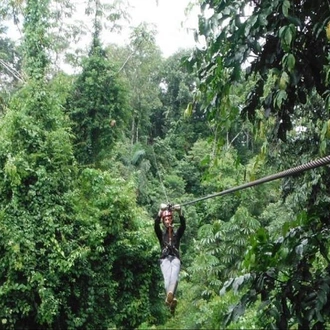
point(171, 21)
point(175, 28)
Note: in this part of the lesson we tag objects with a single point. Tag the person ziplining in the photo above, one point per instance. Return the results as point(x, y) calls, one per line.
point(169, 240)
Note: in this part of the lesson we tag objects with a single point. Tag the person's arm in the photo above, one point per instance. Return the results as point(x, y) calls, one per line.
point(182, 227)
point(157, 228)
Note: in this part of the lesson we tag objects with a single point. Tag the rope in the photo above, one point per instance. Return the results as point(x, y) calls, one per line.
point(308, 166)
point(176, 125)
point(160, 178)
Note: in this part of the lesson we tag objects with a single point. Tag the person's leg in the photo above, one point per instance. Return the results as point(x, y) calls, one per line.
point(170, 268)
point(165, 266)
point(175, 266)
point(174, 278)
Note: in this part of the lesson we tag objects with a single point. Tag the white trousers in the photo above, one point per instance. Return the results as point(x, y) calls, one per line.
point(170, 267)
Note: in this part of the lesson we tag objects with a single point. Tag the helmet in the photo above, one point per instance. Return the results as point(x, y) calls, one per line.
point(166, 213)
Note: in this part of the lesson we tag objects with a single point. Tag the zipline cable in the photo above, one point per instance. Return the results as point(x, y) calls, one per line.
point(176, 125)
point(308, 166)
point(159, 176)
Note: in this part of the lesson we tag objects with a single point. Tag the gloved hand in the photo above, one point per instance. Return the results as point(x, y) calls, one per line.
point(162, 207)
point(177, 208)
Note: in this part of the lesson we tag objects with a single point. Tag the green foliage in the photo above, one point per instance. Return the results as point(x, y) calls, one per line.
point(76, 250)
point(68, 244)
point(97, 107)
point(121, 244)
point(139, 66)
point(283, 269)
point(283, 39)
point(177, 84)
point(294, 295)
point(290, 268)
point(74, 247)
point(36, 40)
point(36, 170)
point(10, 58)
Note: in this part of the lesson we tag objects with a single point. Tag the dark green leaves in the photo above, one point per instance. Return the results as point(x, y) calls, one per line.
point(275, 35)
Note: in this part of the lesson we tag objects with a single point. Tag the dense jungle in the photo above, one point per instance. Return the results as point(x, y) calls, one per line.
point(88, 156)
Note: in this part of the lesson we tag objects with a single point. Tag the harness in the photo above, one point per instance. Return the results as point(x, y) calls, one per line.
point(169, 249)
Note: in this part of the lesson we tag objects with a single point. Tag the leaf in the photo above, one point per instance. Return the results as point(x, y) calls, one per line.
point(323, 147)
point(284, 80)
point(288, 36)
point(279, 98)
point(322, 298)
point(239, 281)
point(291, 61)
point(300, 248)
point(274, 312)
point(249, 24)
point(327, 31)
point(294, 20)
point(285, 8)
point(328, 129)
point(188, 111)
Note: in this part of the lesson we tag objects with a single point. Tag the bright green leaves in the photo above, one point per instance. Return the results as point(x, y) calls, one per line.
point(36, 173)
point(96, 99)
point(284, 80)
point(60, 235)
point(286, 77)
point(10, 171)
point(36, 40)
point(189, 110)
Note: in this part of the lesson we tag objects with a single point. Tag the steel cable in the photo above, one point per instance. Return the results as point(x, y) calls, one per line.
point(159, 176)
point(301, 168)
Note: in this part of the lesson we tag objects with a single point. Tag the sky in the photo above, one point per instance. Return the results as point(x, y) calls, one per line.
point(175, 28)
point(171, 22)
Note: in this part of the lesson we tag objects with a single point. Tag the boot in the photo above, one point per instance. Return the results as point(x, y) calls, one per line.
point(173, 306)
point(169, 298)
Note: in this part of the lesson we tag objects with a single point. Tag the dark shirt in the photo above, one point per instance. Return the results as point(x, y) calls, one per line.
point(169, 248)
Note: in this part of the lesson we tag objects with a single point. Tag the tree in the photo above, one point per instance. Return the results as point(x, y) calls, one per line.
point(140, 63)
point(177, 85)
point(74, 246)
point(36, 170)
point(284, 45)
point(10, 73)
point(98, 107)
